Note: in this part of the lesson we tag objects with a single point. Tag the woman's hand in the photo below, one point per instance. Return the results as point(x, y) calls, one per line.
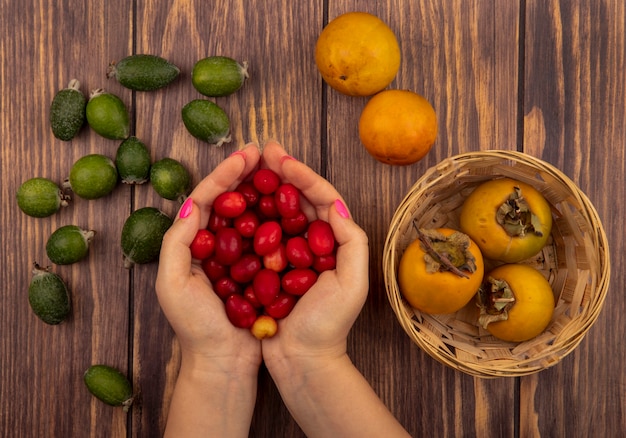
point(185, 293)
point(307, 357)
point(216, 386)
point(319, 323)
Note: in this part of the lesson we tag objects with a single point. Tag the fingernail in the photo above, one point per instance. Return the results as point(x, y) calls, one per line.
point(285, 158)
point(185, 210)
point(341, 209)
point(241, 153)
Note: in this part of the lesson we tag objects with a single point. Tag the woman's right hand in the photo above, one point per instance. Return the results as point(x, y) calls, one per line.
point(319, 324)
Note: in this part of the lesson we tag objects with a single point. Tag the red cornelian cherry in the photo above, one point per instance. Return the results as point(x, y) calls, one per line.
point(240, 312)
point(225, 287)
point(244, 269)
point(213, 269)
point(320, 237)
point(266, 181)
point(249, 192)
point(247, 223)
point(277, 259)
point(287, 198)
point(230, 204)
point(267, 237)
point(228, 246)
point(203, 245)
point(298, 252)
point(294, 225)
point(266, 285)
point(281, 306)
point(298, 281)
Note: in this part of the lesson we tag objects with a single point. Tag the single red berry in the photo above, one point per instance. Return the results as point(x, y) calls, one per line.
point(228, 246)
point(213, 269)
point(267, 237)
point(230, 204)
point(244, 269)
point(276, 260)
point(298, 281)
point(266, 285)
point(266, 181)
point(281, 306)
point(320, 237)
point(203, 245)
point(298, 252)
point(225, 287)
point(325, 263)
point(294, 225)
point(247, 223)
point(216, 222)
point(287, 198)
point(267, 207)
point(249, 192)
point(240, 312)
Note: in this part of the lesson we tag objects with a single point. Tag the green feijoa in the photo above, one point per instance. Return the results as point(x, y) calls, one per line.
point(107, 115)
point(67, 111)
point(92, 176)
point(133, 161)
point(48, 296)
point(68, 244)
point(170, 179)
point(40, 197)
point(109, 385)
point(218, 76)
point(143, 72)
point(206, 121)
point(142, 235)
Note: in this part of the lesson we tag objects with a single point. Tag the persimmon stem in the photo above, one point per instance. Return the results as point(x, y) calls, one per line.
point(442, 258)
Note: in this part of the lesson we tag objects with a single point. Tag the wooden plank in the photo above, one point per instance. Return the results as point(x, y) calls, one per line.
point(462, 56)
point(281, 100)
point(44, 44)
point(574, 118)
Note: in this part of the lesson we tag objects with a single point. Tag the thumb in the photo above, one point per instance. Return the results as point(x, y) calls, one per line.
point(175, 256)
point(353, 251)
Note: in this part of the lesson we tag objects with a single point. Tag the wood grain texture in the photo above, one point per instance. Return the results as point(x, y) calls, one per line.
point(574, 118)
point(562, 100)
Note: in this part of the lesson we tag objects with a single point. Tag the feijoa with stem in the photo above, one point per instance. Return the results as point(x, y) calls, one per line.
point(170, 179)
point(206, 121)
point(48, 296)
point(143, 72)
point(67, 111)
point(92, 176)
point(133, 161)
point(107, 115)
point(109, 385)
point(69, 244)
point(142, 235)
point(217, 76)
point(40, 197)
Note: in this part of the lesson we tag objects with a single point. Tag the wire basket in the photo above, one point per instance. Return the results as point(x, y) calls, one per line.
point(575, 261)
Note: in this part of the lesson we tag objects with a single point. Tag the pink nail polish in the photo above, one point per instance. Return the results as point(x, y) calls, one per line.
point(186, 209)
point(285, 158)
point(240, 153)
point(341, 209)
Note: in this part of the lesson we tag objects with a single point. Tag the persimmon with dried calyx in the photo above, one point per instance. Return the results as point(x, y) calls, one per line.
point(516, 302)
point(509, 220)
point(440, 271)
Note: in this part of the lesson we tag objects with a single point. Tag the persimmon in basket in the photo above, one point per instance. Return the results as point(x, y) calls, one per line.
point(440, 271)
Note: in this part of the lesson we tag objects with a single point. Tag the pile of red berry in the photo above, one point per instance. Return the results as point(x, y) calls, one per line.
point(260, 251)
